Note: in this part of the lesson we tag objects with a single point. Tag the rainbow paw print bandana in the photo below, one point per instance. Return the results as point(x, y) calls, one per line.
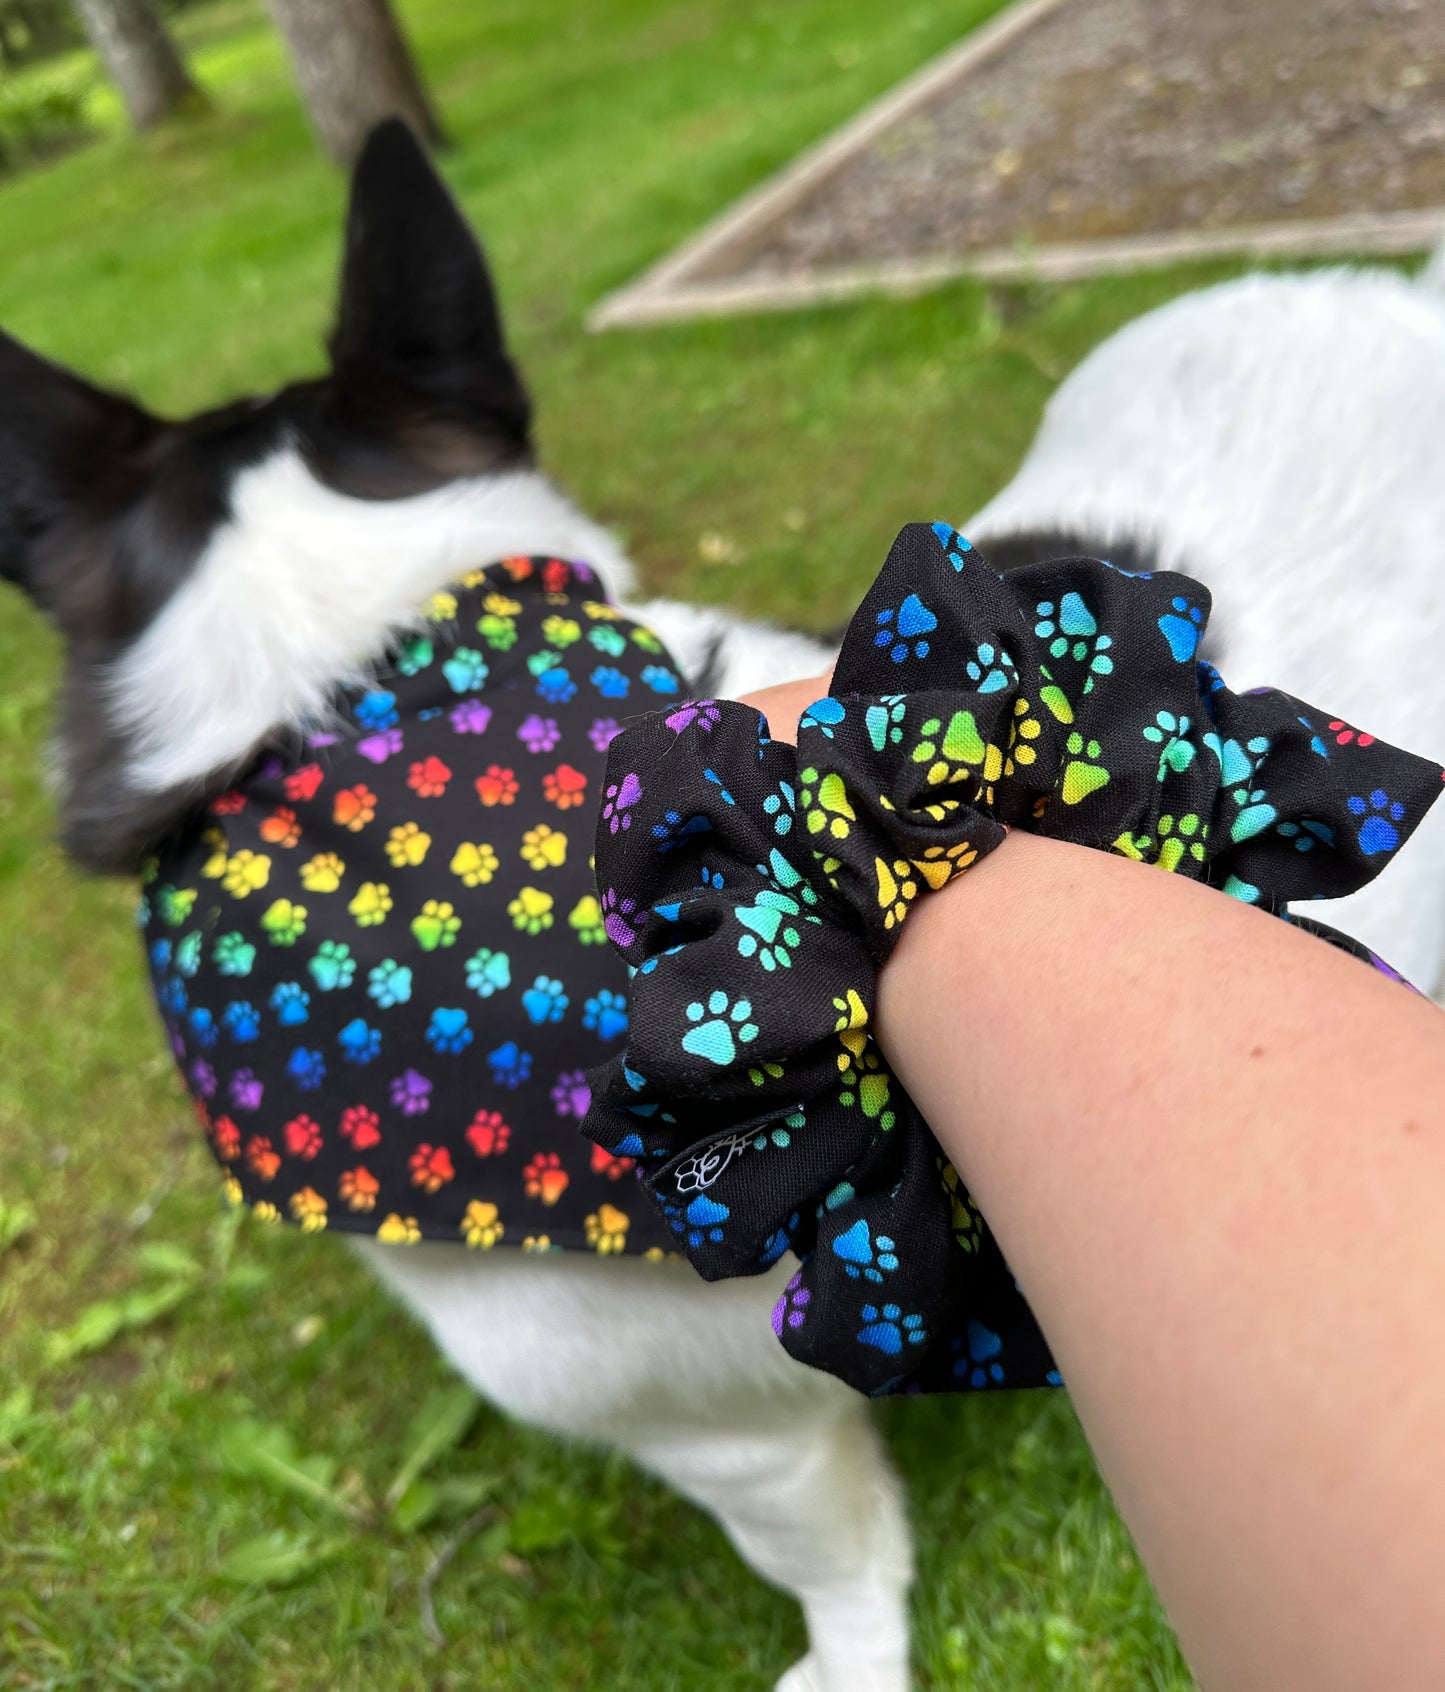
point(380, 956)
point(755, 890)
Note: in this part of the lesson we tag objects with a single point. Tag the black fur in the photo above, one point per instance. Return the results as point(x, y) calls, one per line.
point(105, 510)
point(1034, 546)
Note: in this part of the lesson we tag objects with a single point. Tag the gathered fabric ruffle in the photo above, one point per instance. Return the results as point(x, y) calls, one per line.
point(755, 890)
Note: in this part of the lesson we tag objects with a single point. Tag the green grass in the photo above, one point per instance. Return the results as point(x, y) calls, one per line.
point(197, 264)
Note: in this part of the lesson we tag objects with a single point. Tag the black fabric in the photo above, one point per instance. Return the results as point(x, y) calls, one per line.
point(758, 889)
point(381, 958)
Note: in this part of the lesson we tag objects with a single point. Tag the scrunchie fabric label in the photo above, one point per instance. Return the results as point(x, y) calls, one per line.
point(755, 890)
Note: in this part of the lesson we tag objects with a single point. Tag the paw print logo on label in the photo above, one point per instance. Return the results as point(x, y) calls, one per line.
point(904, 632)
point(884, 721)
point(1071, 631)
point(1081, 775)
point(1377, 832)
point(888, 1329)
point(864, 1255)
point(727, 1026)
point(1181, 626)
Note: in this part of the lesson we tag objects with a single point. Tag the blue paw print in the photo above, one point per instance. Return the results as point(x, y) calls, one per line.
point(988, 669)
point(884, 721)
point(606, 1015)
point(1256, 814)
point(291, 1003)
point(172, 996)
point(953, 544)
point(306, 1068)
point(241, 1020)
point(160, 956)
point(556, 686)
point(823, 715)
point(660, 679)
point(888, 1330)
point(376, 711)
point(673, 830)
point(448, 1030)
point(610, 682)
point(510, 1065)
point(980, 1366)
point(359, 1043)
point(704, 1217)
point(864, 1254)
point(1181, 627)
point(718, 1038)
point(202, 1025)
point(1307, 834)
point(333, 966)
point(488, 972)
point(904, 631)
point(782, 807)
point(1070, 628)
point(712, 878)
point(544, 1000)
point(465, 670)
point(188, 955)
point(389, 983)
point(1377, 833)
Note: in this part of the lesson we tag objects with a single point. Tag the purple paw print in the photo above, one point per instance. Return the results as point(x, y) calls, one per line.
point(703, 712)
point(571, 1096)
point(246, 1091)
point(203, 1078)
point(617, 914)
point(539, 734)
point(470, 717)
point(377, 748)
point(791, 1309)
point(603, 732)
point(411, 1093)
point(621, 797)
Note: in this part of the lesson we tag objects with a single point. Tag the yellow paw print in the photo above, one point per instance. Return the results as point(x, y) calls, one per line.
point(939, 864)
point(399, 1230)
point(561, 631)
point(539, 1243)
point(475, 864)
point(323, 873)
point(607, 1230)
point(481, 1225)
point(246, 872)
point(950, 749)
point(500, 606)
point(896, 889)
point(531, 911)
point(407, 844)
point(215, 866)
point(852, 1012)
point(585, 918)
point(600, 611)
point(1023, 731)
point(264, 1211)
point(309, 1209)
point(440, 608)
point(825, 804)
point(544, 848)
point(966, 1221)
point(372, 902)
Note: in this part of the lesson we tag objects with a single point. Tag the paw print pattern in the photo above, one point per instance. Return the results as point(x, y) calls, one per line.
point(545, 1001)
point(824, 800)
point(1379, 814)
point(791, 1310)
point(1181, 626)
point(1170, 733)
point(720, 1026)
point(1082, 775)
point(864, 1254)
point(1072, 632)
point(884, 721)
point(978, 1362)
point(887, 1328)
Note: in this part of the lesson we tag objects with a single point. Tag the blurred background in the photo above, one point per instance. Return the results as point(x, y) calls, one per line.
point(170, 206)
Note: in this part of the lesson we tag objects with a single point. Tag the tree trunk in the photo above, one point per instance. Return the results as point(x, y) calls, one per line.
point(141, 58)
point(354, 69)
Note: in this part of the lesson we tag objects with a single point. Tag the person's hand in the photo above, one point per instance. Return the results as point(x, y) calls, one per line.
point(785, 702)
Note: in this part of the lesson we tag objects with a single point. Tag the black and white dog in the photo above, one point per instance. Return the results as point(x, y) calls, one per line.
point(216, 580)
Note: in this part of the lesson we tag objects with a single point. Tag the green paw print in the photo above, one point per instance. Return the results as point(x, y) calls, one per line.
point(865, 1080)
point(1054, 698)
point(647, 640)
point(771, 936)
point(884, 721)
point(173, 904)
point(1255, 815)
point(233, 954)
point(1081, 775)
point(438, 925)
point(500, 633)
point(1071, 630)
point(727, 1026)
point(824, 801)
point(1170, 731)
point(540, 662)
point(284, 922)
point(414, 654)
point(1178, 838)
point(333, 966)
point(607, 640)
point(946, 749)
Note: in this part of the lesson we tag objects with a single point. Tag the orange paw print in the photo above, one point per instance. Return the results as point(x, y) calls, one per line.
point(354, 807)
point(281, 827)
point(564, 787)
point(496, 786)
point(359, 1188)
point(431, 1168)
point(545, 1178)
point(262, 1158)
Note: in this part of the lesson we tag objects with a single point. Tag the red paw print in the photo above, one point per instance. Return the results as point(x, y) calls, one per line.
point(1344, 734)
point(603, 1163)
point(359, 1125)
point(431, 1167)
point(226, 1138)
point(488, 1133)
point(428, 779)
point(303, 1137)
point(545, 1177)
point(496, 786)
point(262, 1158)
point(302, 783)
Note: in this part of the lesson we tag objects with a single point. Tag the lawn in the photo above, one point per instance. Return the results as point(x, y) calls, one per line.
point(175, 1385)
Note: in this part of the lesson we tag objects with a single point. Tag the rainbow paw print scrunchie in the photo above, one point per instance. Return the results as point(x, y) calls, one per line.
point(755, 890)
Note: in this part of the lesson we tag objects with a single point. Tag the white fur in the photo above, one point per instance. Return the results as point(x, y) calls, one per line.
point(1282, 438)
point(302, 585)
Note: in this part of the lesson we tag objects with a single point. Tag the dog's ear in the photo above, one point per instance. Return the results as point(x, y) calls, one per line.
point(418, 308)
point(71, 458)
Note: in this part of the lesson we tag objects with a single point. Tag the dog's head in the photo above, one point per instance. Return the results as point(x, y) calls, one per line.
point(214, 578)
